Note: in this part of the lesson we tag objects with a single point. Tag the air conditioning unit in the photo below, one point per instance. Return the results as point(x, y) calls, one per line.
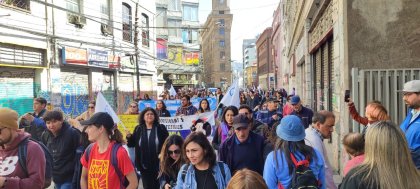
point(106, 29)
point(78, 21)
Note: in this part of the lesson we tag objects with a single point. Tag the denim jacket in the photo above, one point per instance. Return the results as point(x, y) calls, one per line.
point(190, 182)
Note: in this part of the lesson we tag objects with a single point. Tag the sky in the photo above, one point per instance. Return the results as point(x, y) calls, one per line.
point(250, 18)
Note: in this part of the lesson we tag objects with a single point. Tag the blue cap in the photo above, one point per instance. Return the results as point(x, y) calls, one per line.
point(295, 100)
point(291, 129)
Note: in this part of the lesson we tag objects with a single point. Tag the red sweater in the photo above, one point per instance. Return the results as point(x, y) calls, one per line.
point(353, 163)
point(15, 177)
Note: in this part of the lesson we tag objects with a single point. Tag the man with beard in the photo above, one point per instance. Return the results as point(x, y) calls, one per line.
point(12, 175)
point(411, 125)
point(186, 107)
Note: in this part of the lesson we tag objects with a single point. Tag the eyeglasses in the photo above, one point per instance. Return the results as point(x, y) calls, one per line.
point(91, 107)
point(133, 106)
point(174, 152)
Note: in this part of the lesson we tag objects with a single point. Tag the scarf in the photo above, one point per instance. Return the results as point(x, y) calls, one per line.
point(225, 131)
point(148, 148)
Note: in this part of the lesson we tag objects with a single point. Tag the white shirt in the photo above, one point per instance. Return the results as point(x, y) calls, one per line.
point(314, 139)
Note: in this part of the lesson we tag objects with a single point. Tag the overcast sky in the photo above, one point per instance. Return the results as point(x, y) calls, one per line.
point(250, 17)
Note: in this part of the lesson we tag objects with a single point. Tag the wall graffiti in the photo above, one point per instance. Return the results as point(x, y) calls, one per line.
point(124, 99)
point(74, 94)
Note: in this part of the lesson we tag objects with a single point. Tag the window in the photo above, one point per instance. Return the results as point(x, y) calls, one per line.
point(161, 17)
point(221, 12)
point(190, 13)
point(174, 5)
point(145, 30)
point(222, 31)
point(174, 27)
point(222, 43)
point(189, 36)
point(126, 19)
point(221, 1)
point(104, 6)
point(222, 21)
point(22, 4)
point(222, 55)
point(222, 67)
point(73, 5)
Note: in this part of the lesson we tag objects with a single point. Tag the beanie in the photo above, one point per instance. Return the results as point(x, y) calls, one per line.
point(8, 118)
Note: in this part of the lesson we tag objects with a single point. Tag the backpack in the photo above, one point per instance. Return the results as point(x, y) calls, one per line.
point(303, 176)
point(184, 170)
point(23, 153)
point(114, 162)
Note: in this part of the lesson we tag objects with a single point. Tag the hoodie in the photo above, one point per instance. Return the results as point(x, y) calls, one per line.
point(16, 178)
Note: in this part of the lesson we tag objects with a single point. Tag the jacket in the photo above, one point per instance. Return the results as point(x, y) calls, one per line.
point(36, 127)
point(15, 176)
point(190, 182)
point(412, 134)
point(134, 141)
point(305, 115)
point(267, 117)
point(189, 110)
point(63, 149)
point(227, 149)
point(163, 113)
point(355, 181)
point(274, 174)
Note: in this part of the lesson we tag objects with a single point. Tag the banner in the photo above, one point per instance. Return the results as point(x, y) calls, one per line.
point(231, 98)
point(173, 105)
point(181, 125)
point(172, 91)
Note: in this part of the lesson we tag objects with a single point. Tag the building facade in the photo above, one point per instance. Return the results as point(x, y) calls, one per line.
point(69, 51)
point(265, 63)
point(178, 42)
point(216, 46)
point(249, 54)
point(331, 46)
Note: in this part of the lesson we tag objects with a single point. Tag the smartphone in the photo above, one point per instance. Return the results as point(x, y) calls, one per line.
point(347, 96)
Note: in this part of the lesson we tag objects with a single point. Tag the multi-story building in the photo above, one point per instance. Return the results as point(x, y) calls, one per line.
point(277, 38)
point(370, 47)
point(69, 51)
point(249, 56)
point(265, 63)
point(178, 42)
point(216, 45)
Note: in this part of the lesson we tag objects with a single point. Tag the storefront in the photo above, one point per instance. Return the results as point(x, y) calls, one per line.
point(17, 76)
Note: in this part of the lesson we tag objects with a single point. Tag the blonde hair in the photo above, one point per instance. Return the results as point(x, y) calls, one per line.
point(388, 161)
point(377, 113)
point(246, 179)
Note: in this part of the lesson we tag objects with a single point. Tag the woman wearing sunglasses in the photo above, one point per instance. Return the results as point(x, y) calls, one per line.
point(170, 161)
point(133, 109)
point(88, 113)
point(202, 170)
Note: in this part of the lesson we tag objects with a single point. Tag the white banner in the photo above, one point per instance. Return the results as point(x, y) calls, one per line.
point(103, 106)
point(172, 91)
point(231, 98)
point(181, 125)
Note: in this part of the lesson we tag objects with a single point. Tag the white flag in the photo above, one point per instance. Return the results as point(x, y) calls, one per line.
point(103, 106)
point(231, 97)
point(172, 91)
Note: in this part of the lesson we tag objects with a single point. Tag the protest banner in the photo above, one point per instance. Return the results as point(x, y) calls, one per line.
point(129, 121)
point(173, 105)
point(181, 125)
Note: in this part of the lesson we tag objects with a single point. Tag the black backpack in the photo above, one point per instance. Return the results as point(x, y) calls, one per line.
point(303, 176)
point(23, 153)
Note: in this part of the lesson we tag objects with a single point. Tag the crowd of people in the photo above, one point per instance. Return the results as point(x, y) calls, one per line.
point(270, 141)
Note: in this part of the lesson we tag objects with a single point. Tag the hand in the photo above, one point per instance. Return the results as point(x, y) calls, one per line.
point(167, 186)
point(350, 102)
point(28, 117)
point(275, 117)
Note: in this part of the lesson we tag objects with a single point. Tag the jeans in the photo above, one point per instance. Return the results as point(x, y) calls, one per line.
point(64, 185)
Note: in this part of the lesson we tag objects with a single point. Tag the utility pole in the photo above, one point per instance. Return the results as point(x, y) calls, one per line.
point(136, 48)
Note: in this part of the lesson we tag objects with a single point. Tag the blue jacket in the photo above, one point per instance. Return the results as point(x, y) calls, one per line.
point(190, 182)
point(227, 149)
point(274, 174)
point(412, 134)
point(266, 117)
point(305, 115)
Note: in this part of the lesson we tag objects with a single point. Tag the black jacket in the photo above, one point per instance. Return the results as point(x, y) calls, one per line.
point(134, 140)
point(163, 113)
point(355, 181)
point(63, 149)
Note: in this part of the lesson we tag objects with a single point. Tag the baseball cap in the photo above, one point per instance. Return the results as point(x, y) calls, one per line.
point(240, 120)
point(101, 118)
point(411, 86)
point(291, 129)
point(295, 99)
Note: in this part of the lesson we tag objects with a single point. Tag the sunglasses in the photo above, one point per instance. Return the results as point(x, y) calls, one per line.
point(174, 152)
point(91, 107)
point(133, 106)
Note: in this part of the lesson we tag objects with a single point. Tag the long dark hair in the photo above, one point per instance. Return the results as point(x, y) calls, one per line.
point(141, 116)
point(167, 165)
point(287, 147)
point(201, 139)
point(234, 110)
point(163, 104)
point(200, 109)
